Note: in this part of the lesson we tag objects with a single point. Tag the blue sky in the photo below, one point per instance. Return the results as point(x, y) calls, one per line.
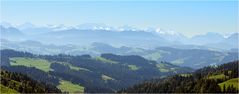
point(187, 17)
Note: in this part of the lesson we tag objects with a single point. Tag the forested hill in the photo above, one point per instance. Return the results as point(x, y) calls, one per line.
point(18, 83)
point(212, 79)
point(84, 73)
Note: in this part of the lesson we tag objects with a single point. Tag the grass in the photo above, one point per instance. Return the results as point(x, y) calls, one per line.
point(178, 61)
point(166, 67)
point(133, 67)
point(163, 70)
point(105, 77)
point(218, 76)
point(162, 67)
point(153, 56)
point(186, 74)
point(74, 67)
point(234, 82)
point(156, 55)
point(7, 90)
point(41, 64)
point(104, 60)
point(78, 68)
point(67, 86)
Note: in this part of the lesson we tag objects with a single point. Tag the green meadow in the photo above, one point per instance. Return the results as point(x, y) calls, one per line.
point(67, 86)
point(31, 62)
point(234, 82)
point(7, 90)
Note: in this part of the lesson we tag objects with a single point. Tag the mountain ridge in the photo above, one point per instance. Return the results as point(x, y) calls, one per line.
point(152, 37)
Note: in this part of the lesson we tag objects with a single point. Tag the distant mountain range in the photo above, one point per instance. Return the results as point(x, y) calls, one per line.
point(183, 57)
point(95, 39)
point(86, 34)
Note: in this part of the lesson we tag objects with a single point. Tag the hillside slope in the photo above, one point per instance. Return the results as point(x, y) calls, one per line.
point(213, 79)
point(105, 73)
point(18, 83)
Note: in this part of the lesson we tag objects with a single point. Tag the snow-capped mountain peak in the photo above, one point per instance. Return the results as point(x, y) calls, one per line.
point(166, 32)
point(6, 25)
point(169, 34)
point(59, 27)
point(26, 25)
point(94, 26)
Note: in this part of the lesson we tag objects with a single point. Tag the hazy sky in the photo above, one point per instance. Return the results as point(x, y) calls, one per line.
point(187, 17)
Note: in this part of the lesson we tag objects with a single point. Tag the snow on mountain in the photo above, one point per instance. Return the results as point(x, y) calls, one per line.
point(26, 25)
point(126, 35)
point(166, 32)
point(127, 28)
point(229, 34)
point(170, 35)
point(6, 25)
point(59, 27)
point(93, 26)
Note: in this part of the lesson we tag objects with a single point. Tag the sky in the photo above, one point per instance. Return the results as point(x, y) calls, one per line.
point(187, 17)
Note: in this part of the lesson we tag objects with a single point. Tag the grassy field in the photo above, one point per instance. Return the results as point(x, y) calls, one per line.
point(104, 60)
point(162, 67)
point(163, 70)
point(234, 82)
point(186, 74)
point(7, 90)
point(218, 76)
point(31, 62)
point(78, 68)
point(105, 77)
point(74, 67)
point(133, 67)
point(178, 61)
point(154, 56)
point(67, 86)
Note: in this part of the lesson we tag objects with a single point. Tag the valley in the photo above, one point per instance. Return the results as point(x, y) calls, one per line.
point(105, 73)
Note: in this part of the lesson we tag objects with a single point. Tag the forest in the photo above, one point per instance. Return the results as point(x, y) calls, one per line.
point(12, 82)
point(211, 79)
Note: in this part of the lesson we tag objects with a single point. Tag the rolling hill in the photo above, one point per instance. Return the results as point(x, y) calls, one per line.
point(188, 56)
point(105, 73)
point(212, 79)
